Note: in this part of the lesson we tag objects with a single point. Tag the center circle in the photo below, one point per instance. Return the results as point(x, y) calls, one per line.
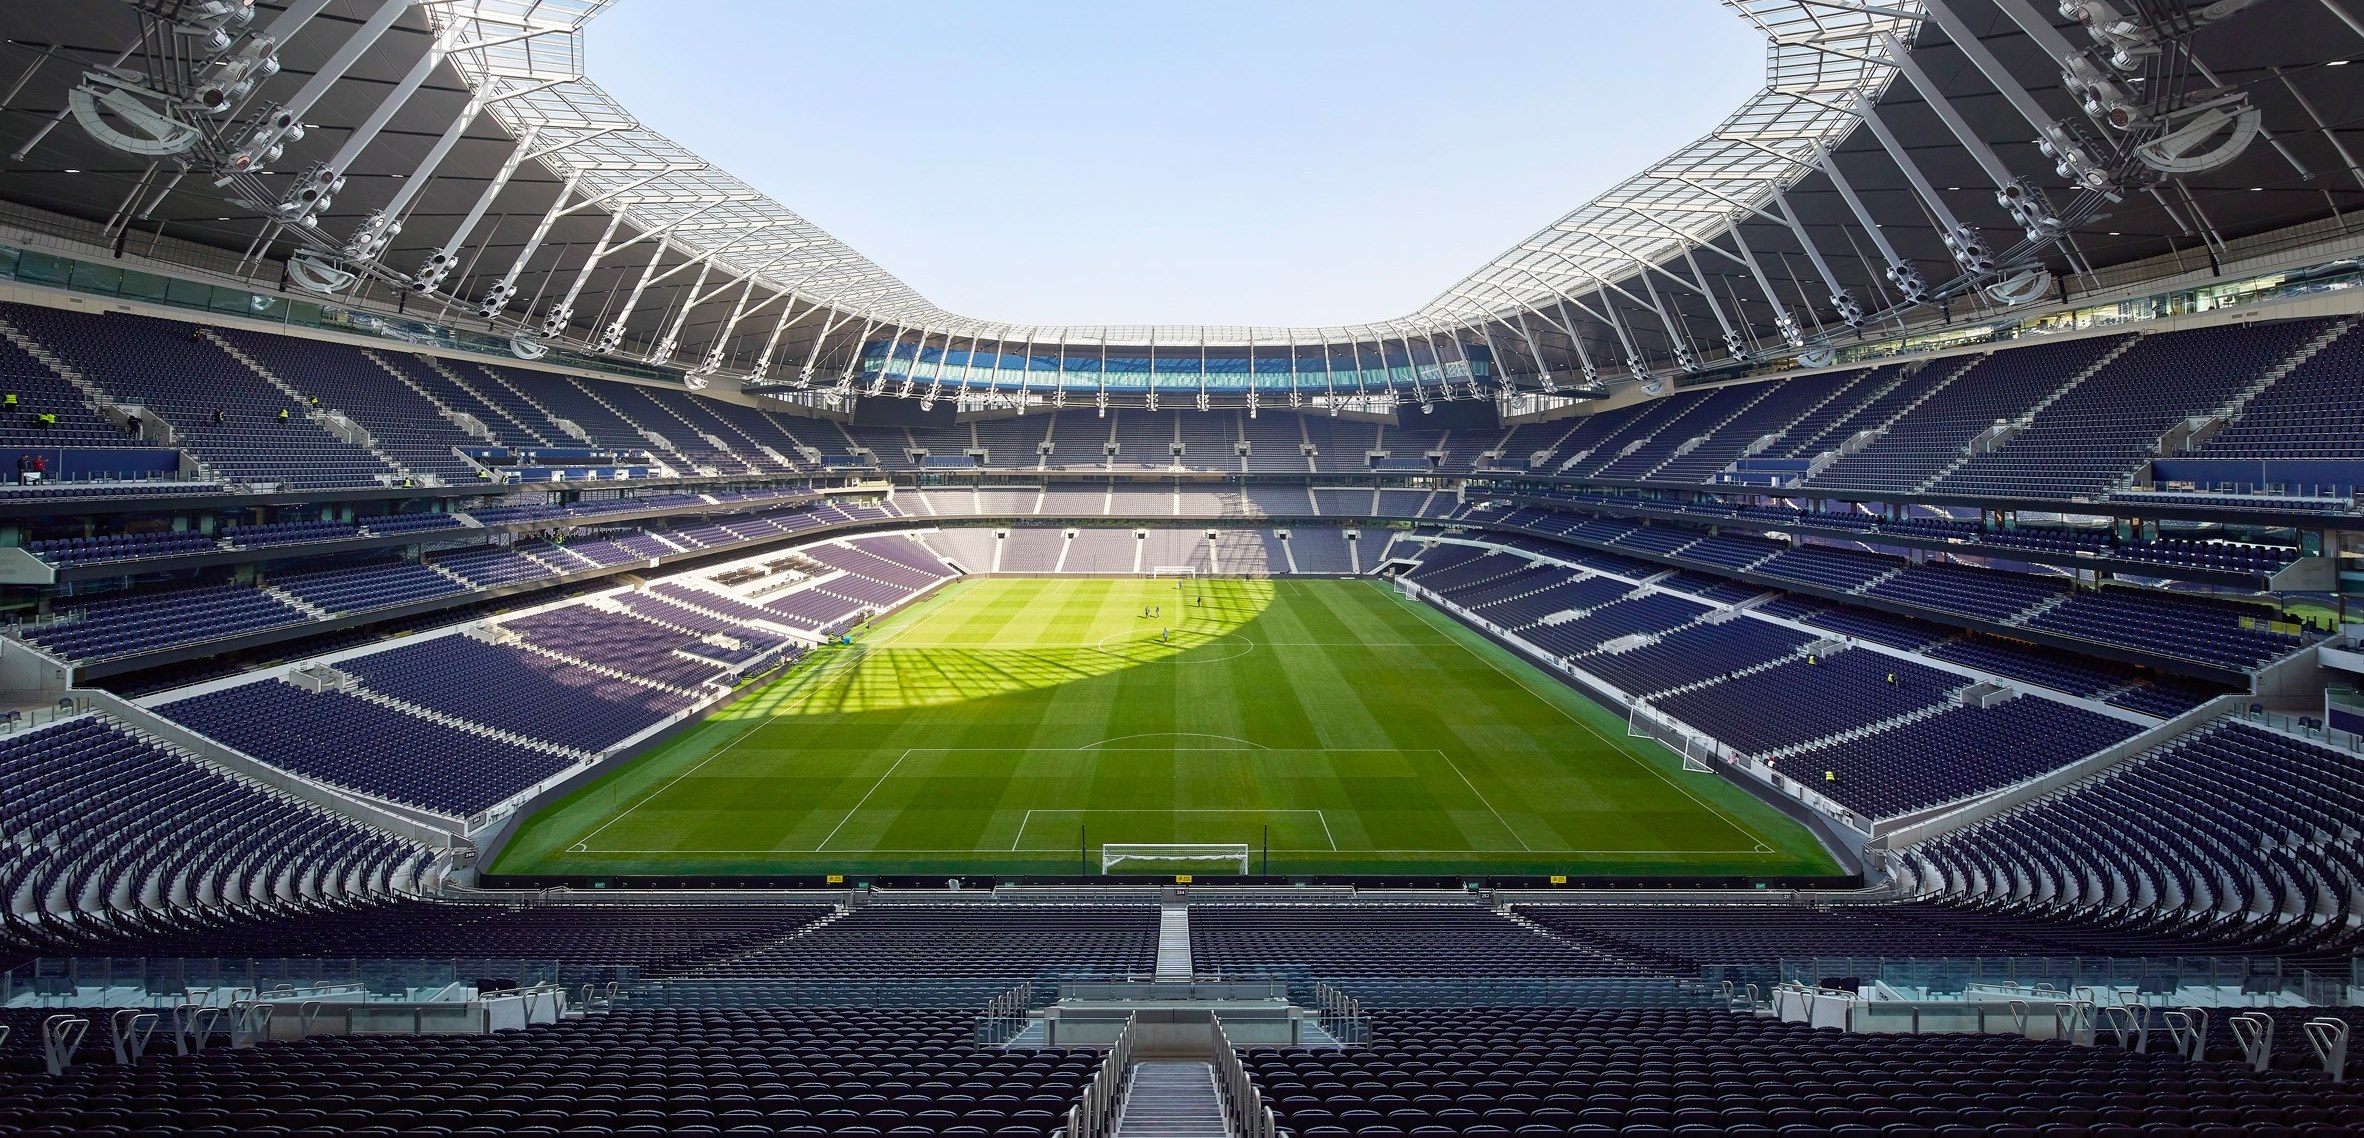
point(1113, 644)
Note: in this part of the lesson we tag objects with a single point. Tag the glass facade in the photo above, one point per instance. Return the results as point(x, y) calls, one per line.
point(296, 310)
point(1309, 370)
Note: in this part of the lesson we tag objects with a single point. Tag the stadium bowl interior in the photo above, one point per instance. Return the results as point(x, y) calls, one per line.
point(510, 630)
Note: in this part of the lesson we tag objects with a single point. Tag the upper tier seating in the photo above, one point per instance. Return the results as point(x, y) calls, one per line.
point(401, 422)
point(175, 371)
point(2096, 434)
point(2316, 411)
point(1921, 443)
point(39, 391)
point(436, 379)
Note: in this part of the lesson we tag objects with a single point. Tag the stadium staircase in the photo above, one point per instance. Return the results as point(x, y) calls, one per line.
point(358, 434)
point(1173, 943)
point(1868, 435)
point(2191, 437)
point(2039, 608)
point(469, 725)
point(460, 381)
point(2000, 436)
point(1951, 701)
point(1171, 1100)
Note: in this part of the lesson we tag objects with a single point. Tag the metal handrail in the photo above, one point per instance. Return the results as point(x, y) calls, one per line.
point(1244, 1112)
point(1094, 1114)
point(1004, 1017)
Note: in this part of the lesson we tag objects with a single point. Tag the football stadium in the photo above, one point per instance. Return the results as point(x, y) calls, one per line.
point(1840, 626)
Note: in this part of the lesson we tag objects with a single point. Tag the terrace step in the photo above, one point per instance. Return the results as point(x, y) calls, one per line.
point(1883, 578)
point(1171, 1100)
point(1889, 724)
point(2038, 609)
point(1173, 943)
point(469, 725)
point(359, 435)
point(461, 382)
point(2023, 419)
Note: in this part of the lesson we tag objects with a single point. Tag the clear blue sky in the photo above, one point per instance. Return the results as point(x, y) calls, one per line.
point(1209, 161)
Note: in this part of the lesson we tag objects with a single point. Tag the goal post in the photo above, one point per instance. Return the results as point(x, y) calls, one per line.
point(1162, 858)
point(1697, 751)
point(1173, 573)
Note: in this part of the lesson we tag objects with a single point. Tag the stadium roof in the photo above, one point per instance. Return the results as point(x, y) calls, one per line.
point(472, 122)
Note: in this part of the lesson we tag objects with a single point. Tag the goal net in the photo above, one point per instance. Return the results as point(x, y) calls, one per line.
point(1174, 857)
point(1173, 572)
point(1696, 750)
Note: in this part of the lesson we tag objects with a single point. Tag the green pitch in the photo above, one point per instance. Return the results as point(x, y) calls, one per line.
point(1013, 726)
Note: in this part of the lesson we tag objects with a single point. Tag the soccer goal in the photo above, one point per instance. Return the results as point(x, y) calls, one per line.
point(1173, 573)
point(1174, 857)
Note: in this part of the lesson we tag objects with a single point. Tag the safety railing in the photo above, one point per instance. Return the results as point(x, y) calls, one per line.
point(2176, 980)
point(1094, 1114)
point(1004, 1017)
point(1341, 1015)
point(163, 982)
point(1244, 1112)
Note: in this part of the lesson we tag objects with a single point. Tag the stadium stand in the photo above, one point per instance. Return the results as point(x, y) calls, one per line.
point(344, 740)
point(1513, 1070)
point(1340, 941)
point(518, 691)
point(2221, 827)
point(1002, 943)
point(111, 834)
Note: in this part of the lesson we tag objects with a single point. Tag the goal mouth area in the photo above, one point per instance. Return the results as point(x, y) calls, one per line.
point(1167, 859)
point(1171, 572)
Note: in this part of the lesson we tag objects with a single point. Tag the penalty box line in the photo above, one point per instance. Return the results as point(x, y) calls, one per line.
point(1028, 820)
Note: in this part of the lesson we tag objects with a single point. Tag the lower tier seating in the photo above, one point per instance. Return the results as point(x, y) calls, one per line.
point(103, 833)
point(1530, 1070)
point(351, 742)
point(1396, 941)
point(2233, 824)
point(637, 1071)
